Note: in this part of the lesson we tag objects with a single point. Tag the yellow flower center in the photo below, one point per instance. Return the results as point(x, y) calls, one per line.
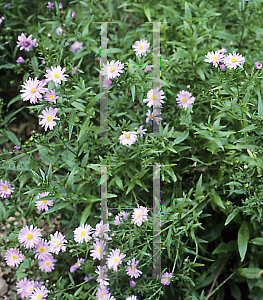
point(165, 279)
point(41, 249)
point(132, 267)
point(33, 90)
point(14, 257)
point(47, 263)
point(215, 58)
point(51, 97)
point(141, 47)
point(152, 116)
point(83, 233)
point(112, 69)
point(4, 188)
point(29, 236)
point(101, 296)
point(56, 75)
point(234, 60)
point(153, 97)
point(30, 289)
point(184, 100)
point(44, 201)
point(58, 244)
point(139, 215)
point(127, 135)
point(99, 249)
point(39, 297)
point(116, 259)
point(49, 118)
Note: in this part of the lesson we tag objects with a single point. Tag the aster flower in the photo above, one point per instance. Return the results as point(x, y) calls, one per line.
point(5, 189)
point(131, 269)
point(132, 283)
point(148, 69)
point(153, 116)
point(48, 116)
point(74, 70)
point(24, 42)
point(102, 292)
point(60, 5)
point(13, 257)
point(98, 250)
point(141, 47)
point(106, 83)
point(56, 74)
point(76, 46)
point(141, 130)
point(185, 99)
point(20, 60)
point(114, 259)
point(132, 298)
point(166, 278)
point(102, 278)
point(42, 249)
point(26, 287)
point(234, 60)
point(120, 217)
point(29, 236)
point(51, 96)
point(32, 90)
point(73, 15)
point(222, 67)
point(43, 204)
point(139, 215)
point(101, 230)
point(82, 233)
point(16, 148)
point(47, 264)
point(39, 293)
point(112, 69)
point(214, 57)
point(128, 138)
point(50, 5)
point(154, 98)
point(76, 265)
point(258, 65)
point(58, 30)
point(57, 242)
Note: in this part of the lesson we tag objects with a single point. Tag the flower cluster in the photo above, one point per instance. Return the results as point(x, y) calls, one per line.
point(26, 42)
point(30, 288)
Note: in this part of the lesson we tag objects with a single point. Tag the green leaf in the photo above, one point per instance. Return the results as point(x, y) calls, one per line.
point(72, 116)
point(257, 241)
point(260, 105)
point(242, 239)
point(218, 201)
point(57, 207)
point(199, 188)
point(188, 14)
point(34, 63)
point(251, 273)
point(201, 73)
point(147, 12)
point(85, 214)
point(118, 182)
point(12, 137)
point(133, 92)
point(84, 127)
point(231, 216)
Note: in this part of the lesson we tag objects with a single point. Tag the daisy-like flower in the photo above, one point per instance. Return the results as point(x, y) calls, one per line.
point(102, 292)
point(214, 57)
point(56, 74)
point(141, 131)
point(101, 230)
point(128, 138)
point(26, 287)
point(258, 65)
point(51, 96)
point(39, 293)
point(114, 259)
point(47, 264)
point(141, 47)
point(57, 242)
point(29, 236)
point(99, 249)
point(24, 42)
point(131, 269)
point(13, 257)
point(5, 189)
point(153, 116)
point(42, 249)
point(154, 98)
point(76, 46)
point(48, 116)
point(185, 99)
point(112, 69)
point(139, 215)
point(148, 69)
point(120, 217)
point(102, 278)
point(132, 283)
point(32, 90)
point(234, 60)
point(223, 50)
point(82, 233)
point(166, 278)
point(76, 265)
point(132, 298)
point(20, 60)
point(43, 204)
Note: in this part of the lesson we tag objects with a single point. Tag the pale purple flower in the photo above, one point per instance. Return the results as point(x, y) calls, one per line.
point(132, 283)
point(39, 293)
point(141, 130)
point(231, 42)
point(29, 236)
point(106, 82)
point(25, 287)
point(82, 233)
point(74, 48)
point(114, 259)
point(7, 5)
point(32, 90)
point(188, 86)
point(57, 242)
point(214, 57)
point(74, 70)
point(47, 264)
point(166, 278)
point(51, 96)
point(131, 270)
point(101, 230)
point(56, 74)
point(73, 15)
point(153, 116)
point(50, 5)
point(112, 69)
point(102, 292)
point(99, 249)
point(234, 60)
point(102, 278)
point(49, 34)
point(58, 30)
point(120, 217)
point(48, 118)
point(258, 65)
point(154, 98)
point(60, 5)
point(16, 148)
point(43, 204)
point(24, 42)
point(185, 99)
point(5, 189)
point(13, 257)
point(222, 67)
point(42, 249)
point(128, 138)
point(141, 47)
point(223, 50)
point(20, 60)
point(148, 69)
point(76, 265)
point(139, 215)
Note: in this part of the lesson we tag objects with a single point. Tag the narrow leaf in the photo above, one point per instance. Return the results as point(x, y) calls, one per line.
point(242, 239)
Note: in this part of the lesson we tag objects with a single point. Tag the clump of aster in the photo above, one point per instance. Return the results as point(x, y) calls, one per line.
point(47, 264)
point(26, 42)
point(139, 215)
point(5, 189)
point(43, 204)
point(29, 236)
point(57, 242)
point(112, 69)
point(114, 259)
point(76, 265)
point(234, 60)
point(48, 118)
point(102, 278)
point(120, 217)
point(128, 138)
point(51, 96)
point(101, 229)
point(185, 99)
point(99, 249)
point(76, 46)
point(141, 47)
point(39, 293)
point(153, 116)
point(20, 60)
point(42, 249)
point(258, 65)
point(32, 90)
point(154, 98)
point(141, 131)
point(131, 270)
point(56, 74)
point(166, 278)
point(13, 257)
point(214, 57)
point(25, 287)
point(82, 233)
